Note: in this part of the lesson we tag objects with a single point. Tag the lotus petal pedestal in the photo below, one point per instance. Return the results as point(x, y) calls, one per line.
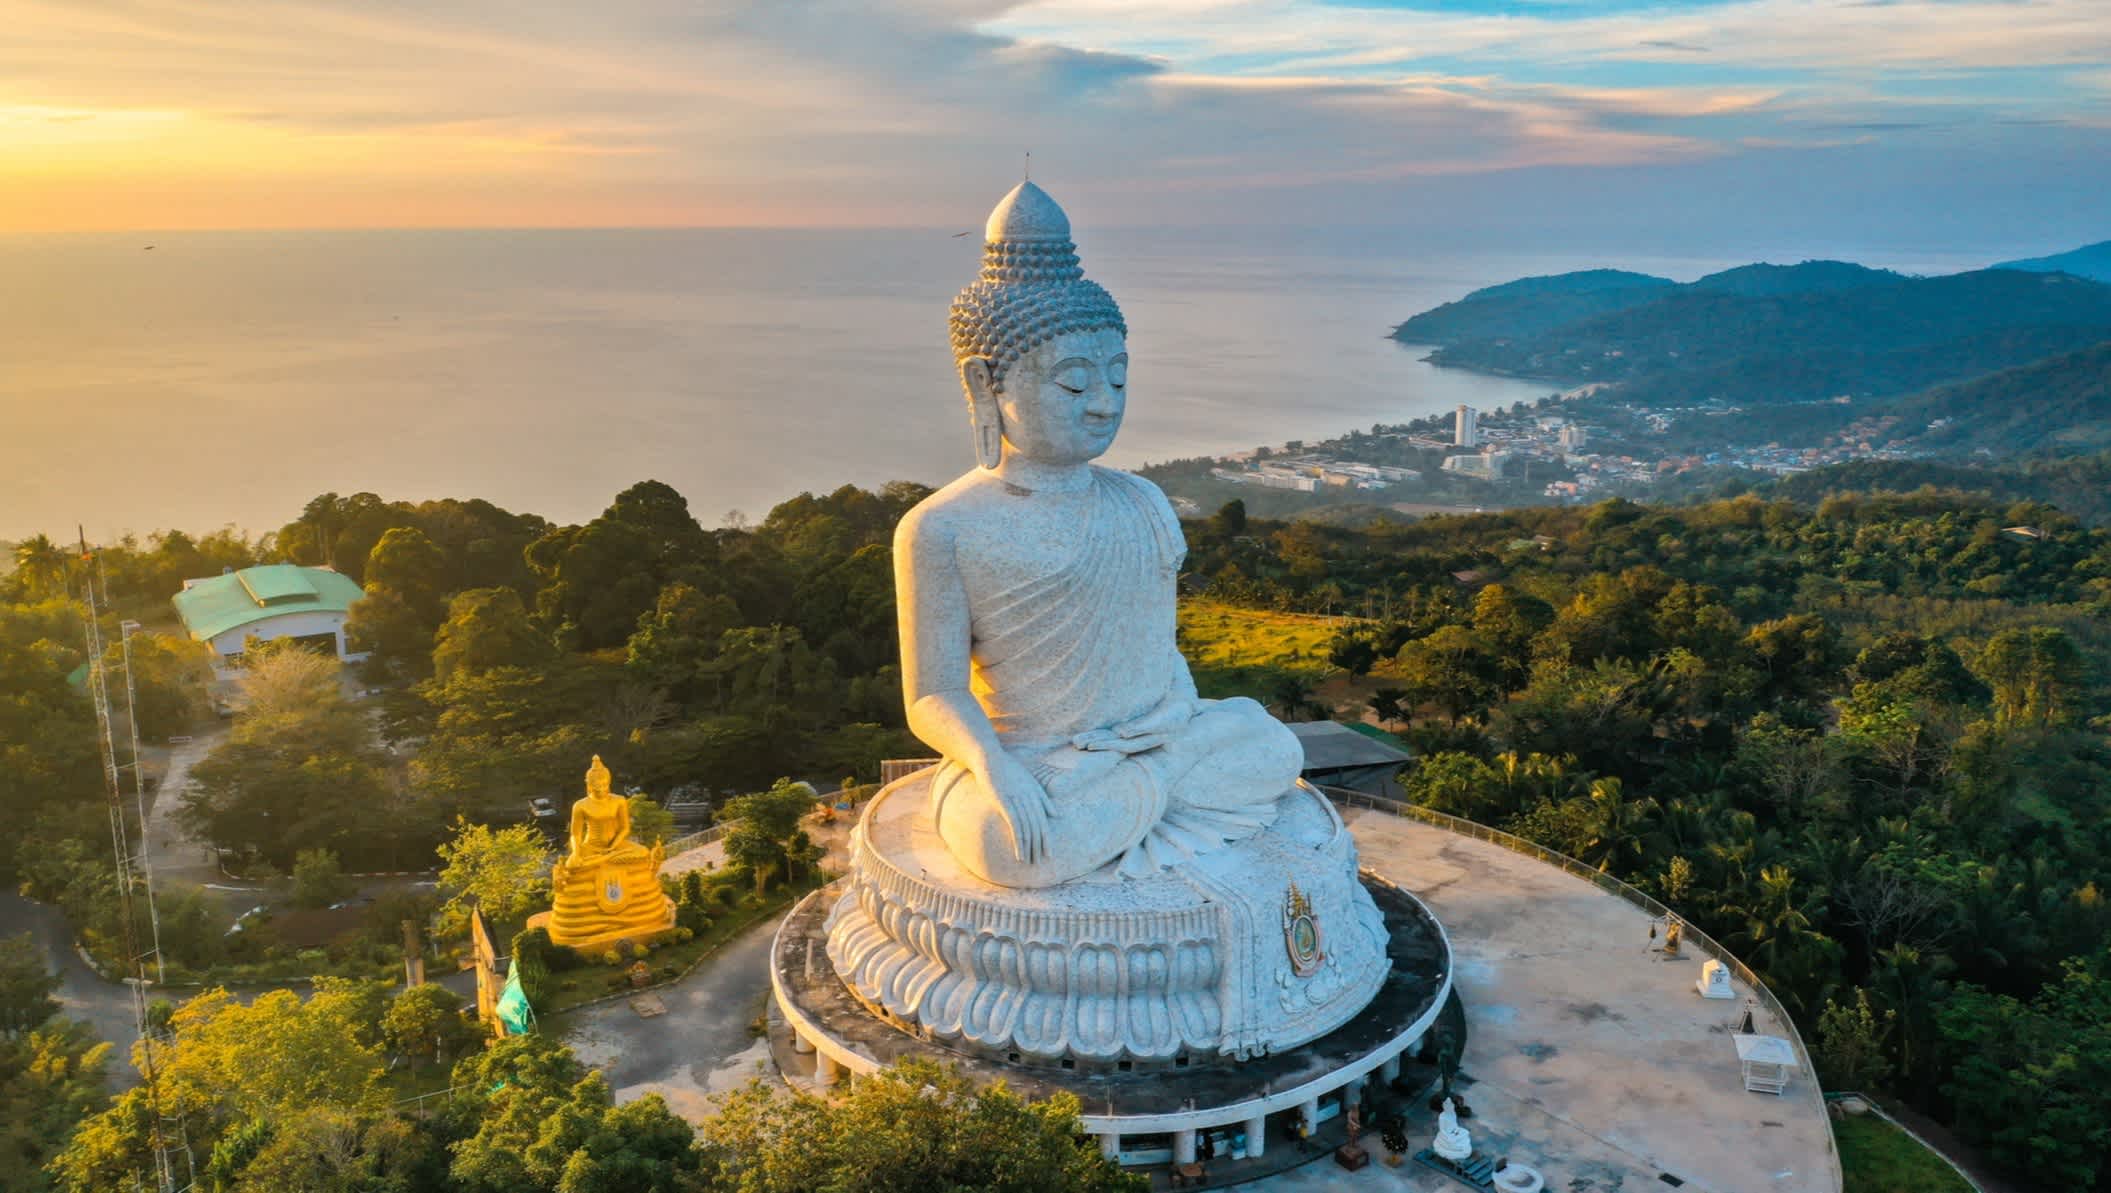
point(1251, 948)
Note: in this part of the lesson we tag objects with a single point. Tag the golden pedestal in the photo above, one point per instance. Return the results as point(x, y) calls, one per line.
point(599, 905)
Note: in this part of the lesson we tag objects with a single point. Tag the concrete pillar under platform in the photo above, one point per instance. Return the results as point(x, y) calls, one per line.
point(1309, 1111)
point(1389, 1068)
point(1184, 1146)
point(1256, 1136)
point(1110, 1145)
point(801, 1045)
point(826, 1070)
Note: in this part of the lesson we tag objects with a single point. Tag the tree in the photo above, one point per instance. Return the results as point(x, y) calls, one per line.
point(1508, 621)
point(1851, 1051)
point(42, 567)
point(501, 870)
point(909, 1128)
point(281, 679)
point(1389, 705)
point(50, 1079)
point(172, 681)
point(1290, 694)
point(2035, 675)
point(486, 628)
point(1456, 783)
point(2034, 1078)
point(650, 821)
point(1450, 669)
point(26, 986)
point(764, 827)
point(675, 643)
point(299, 771)
point(318, 880)
point(1230, 518)
point(425, 1023)
point(225, 1066)
point(1353, 651)
point(532, 1119)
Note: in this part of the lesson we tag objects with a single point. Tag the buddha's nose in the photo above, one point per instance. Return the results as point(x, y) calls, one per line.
point(1102, 401)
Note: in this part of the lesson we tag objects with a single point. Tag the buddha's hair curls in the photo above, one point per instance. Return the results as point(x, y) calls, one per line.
point(1029, 293)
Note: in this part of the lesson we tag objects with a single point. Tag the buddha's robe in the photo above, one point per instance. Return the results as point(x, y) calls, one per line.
point(1061, 662)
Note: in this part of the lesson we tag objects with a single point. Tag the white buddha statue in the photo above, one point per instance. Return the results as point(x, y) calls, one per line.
point(1453, 1143)
point(1036, 598)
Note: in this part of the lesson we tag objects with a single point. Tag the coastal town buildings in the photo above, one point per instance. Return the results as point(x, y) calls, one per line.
point(1466, 427)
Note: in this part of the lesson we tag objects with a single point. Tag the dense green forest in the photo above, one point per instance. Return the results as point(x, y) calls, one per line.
point(1862, 743)
point(1860, 738)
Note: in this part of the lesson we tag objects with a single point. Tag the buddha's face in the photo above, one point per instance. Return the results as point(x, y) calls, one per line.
point(1062, 403)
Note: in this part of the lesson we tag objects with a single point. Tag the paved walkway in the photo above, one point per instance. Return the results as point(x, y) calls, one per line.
point(1589, 1056)
point(700, 1047)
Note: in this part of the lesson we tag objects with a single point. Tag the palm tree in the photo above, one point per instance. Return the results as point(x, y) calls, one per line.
point(1618, 826)
point(42, 565)
point(1777, 939)
point(1291, 694)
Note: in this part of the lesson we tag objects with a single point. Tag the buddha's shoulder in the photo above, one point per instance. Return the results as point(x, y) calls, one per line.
point(969, 498)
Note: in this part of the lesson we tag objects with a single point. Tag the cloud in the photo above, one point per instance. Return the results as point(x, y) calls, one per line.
point(912, 111)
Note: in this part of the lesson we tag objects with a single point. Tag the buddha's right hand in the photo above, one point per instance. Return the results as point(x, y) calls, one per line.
point(1027, 808)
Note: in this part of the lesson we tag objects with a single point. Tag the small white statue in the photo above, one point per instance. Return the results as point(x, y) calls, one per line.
point(1453, 1143)
point(1715, 980)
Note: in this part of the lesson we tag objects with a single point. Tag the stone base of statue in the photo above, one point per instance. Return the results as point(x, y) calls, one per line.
point(1142, 1113)
point(594, 907)
point(1251, 948)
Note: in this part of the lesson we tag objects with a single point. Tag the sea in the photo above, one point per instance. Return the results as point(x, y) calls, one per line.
point(198, 380)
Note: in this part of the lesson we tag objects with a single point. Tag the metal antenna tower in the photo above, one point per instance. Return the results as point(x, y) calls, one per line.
point(135, 877)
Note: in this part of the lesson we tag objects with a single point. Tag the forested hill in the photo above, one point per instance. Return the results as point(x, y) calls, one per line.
point(1529, 306)
point(2060, 403)
point(1802, 333)
point(2089, 261)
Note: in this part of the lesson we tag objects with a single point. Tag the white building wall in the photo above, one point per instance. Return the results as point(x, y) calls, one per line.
point(298, 624)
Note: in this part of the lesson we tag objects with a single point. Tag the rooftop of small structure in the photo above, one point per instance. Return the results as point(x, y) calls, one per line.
point(1331, 745)
point(217, 604)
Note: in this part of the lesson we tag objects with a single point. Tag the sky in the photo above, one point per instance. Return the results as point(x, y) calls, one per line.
point(1919, 121)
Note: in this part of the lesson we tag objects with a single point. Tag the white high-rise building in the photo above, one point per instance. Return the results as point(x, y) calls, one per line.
point(1466, 429)
point(1573, 437)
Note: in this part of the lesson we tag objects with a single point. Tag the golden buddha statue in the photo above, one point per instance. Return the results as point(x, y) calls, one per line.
point(607, 888)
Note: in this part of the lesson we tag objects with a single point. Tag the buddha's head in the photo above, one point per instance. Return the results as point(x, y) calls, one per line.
point(1042, 351)
point(597, 779)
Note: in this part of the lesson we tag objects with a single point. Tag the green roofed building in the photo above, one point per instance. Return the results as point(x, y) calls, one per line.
point(279, 600)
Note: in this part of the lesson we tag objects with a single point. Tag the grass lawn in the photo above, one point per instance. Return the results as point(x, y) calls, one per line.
point(574, 987)
point(1879, 1158)
point(1222, 636)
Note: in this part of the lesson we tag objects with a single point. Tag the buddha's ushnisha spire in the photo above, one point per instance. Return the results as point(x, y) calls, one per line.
point(1032, 288)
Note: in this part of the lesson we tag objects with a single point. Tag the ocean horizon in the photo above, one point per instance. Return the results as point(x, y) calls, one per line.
point(225, 378)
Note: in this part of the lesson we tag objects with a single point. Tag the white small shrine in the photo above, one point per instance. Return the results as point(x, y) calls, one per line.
point(1768, 1061)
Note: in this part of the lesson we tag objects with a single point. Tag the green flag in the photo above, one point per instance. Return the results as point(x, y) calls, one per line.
point(513, 1009)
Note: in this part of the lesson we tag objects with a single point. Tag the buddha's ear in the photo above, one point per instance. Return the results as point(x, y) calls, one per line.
point(982, 410)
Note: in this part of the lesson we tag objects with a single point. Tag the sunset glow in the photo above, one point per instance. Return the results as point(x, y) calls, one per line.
point(159, 114)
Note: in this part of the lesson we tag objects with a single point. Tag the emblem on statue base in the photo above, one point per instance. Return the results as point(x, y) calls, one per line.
point(1301, 933)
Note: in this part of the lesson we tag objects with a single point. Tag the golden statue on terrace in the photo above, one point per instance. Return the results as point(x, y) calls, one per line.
point(607, 888)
